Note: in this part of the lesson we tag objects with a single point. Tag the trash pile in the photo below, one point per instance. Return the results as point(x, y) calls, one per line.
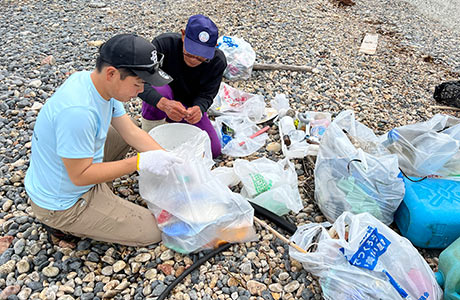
point(363, 183)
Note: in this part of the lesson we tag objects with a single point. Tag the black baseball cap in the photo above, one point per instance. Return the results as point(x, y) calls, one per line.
point(137, 54)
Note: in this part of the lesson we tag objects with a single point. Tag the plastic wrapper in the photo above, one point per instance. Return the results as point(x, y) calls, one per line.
point(234, 130)
point(232, 101)
point(193, 208)
point(354, 172)
point(428, 148)
point(240, 57)
point(272, 185)
point(361, 258)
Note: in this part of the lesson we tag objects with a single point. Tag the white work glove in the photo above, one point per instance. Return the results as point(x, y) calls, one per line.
point(157, 162)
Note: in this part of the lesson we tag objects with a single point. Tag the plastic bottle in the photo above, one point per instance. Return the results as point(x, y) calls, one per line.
point(287, 140)
point(397, 144)
point(318, 127)
point(448, 275)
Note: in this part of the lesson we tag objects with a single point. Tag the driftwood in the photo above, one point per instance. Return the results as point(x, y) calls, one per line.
point(347, 2)
point(278, 235)
point(284, 67)
point(446, 107)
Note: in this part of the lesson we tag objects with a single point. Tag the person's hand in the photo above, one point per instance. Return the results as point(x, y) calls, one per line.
point(193, 114)
point(157, 162)
point(173, 109)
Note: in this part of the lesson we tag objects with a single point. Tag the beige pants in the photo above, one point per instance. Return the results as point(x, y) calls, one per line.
point(101, 215)
point(148, 125)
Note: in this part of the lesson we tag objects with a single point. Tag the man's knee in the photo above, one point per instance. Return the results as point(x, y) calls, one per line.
point(152, 237)
point(145, 231)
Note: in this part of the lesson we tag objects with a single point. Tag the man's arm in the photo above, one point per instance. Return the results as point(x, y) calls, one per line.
point(133, 135)
point(150, 95)
point(82, 171)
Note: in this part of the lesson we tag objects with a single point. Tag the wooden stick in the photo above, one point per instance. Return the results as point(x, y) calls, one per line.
point(284, 67)
point(277, 234)
point(446, 107)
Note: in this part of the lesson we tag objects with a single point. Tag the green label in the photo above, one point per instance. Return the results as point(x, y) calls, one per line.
point(260, 183)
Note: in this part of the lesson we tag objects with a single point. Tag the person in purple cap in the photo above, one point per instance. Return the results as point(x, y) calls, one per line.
point(196, 66)
point(80, 140)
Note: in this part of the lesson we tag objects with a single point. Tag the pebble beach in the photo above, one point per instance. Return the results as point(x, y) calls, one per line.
point(43, 42)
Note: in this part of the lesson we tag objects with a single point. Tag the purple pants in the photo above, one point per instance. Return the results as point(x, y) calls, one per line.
point(150, 112)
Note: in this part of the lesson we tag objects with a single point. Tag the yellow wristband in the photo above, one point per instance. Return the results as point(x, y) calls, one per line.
point(138, 158)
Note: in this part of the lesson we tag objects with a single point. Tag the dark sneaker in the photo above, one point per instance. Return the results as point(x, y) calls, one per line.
point(55, 235)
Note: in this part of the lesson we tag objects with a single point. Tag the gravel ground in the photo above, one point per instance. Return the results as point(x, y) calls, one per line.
point(43, 42)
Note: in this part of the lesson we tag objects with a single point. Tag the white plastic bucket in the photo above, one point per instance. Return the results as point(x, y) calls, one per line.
point(171, 135)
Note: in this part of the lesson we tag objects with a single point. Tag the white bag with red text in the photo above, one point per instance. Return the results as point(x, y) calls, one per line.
point(232, 101)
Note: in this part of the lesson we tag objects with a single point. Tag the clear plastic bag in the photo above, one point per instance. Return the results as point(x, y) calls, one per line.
point(234, 130)
point(427, 148)
point(361, 258)
point(354, 172)
point(232, 101)
point(226, 175)
point(272, 185)
point(240, 57)
point(193, 208)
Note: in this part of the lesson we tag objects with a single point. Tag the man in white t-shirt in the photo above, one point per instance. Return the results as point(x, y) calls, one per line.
point(80, 138)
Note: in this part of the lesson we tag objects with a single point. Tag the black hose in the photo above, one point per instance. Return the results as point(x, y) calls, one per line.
point(192, 268)
point(259, 211)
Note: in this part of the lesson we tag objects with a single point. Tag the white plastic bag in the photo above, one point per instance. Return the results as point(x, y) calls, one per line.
point(427, 148)
point(366, 260)
point(281, 104)
point(226, 175)
point(193, 208)
point(272, 185)
point(240, 57)
point(354, 172)
point(232, 101)
point(234, 130)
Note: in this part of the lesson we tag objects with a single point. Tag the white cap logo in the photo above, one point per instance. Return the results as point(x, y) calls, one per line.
point(203, 36)
point(154, 57)
point(163, 74)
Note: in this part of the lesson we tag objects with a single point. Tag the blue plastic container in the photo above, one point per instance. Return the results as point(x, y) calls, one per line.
point(429, 215)
point(448, 275)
